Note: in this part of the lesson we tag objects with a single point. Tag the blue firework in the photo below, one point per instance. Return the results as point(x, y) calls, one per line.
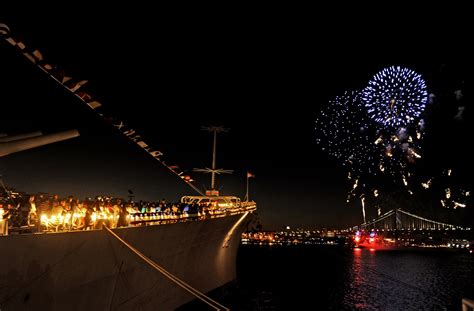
point(342, 130)
point(395, 97)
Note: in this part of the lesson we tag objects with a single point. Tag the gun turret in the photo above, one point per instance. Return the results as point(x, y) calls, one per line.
point(13, 144)
point(5, 138)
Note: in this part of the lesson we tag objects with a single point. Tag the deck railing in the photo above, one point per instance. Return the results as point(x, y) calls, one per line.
point(67, 223)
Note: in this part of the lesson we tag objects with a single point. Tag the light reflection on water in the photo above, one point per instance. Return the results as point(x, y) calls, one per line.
point(388, 280)
point(332, 278)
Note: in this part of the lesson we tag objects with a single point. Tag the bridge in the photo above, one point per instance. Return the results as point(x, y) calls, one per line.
point(399, 228)
point(399, 219)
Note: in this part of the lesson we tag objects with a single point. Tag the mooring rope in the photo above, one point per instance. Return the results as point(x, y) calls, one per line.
point(198, 294)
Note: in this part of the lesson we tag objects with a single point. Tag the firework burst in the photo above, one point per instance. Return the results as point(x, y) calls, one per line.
point(342, 130)
point(395, 97)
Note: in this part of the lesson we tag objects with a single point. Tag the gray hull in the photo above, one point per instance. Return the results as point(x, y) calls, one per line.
point(91, 270)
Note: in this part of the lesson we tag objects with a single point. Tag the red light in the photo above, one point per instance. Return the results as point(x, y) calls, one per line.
point(372, 250)
point(371, 240)
point(357, 249)
point(357, 239)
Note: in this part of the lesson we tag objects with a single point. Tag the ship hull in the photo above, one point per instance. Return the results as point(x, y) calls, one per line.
point(91, 270)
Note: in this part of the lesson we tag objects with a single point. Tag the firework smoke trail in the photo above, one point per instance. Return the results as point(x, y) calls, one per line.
point(362, 201)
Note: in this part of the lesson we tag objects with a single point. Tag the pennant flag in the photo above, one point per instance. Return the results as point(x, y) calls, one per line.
point(4, 30)
point(156, 154)
point(48, 67)
point(94, 104)
point(38, 55)
point(142, 144)
point(31, 58)
point(84, 96)
point(11, 41)
point(77, 86)
point(65, 79)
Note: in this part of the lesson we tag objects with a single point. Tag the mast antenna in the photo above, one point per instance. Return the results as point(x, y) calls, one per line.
point(213, 170)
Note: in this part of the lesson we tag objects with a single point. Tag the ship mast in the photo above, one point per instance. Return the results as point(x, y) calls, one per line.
point(213, 170)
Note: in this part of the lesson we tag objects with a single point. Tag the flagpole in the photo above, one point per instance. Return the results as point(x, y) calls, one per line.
point(247, 195)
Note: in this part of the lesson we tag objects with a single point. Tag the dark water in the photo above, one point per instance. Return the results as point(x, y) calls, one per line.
point(331, 278)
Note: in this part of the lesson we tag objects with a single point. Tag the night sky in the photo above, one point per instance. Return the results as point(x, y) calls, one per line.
point(167, 78)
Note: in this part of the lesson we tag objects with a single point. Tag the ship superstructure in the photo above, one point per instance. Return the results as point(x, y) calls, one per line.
point(113, 265)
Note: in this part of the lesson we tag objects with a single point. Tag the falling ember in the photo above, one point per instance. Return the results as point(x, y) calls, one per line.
point(379, 211)
point(410, 139)
point(418, 135)
point(381, 168)
point(413, 153)
point(442, 203)
point(427, 184)
point(379, 140)
point(448, 193)
point(362, 201)
point(376, 193)
point(421, 124)
point(349, 176)
point(457, 204)
point(468, 193)
point(405, 182)
point(355, 185)
point(410, 192)
point(449, 172)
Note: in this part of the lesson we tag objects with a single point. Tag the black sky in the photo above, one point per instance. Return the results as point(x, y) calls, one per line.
point(167, 78)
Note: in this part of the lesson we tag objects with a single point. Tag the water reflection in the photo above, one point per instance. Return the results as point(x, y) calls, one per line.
point(331, 278)
point(406, 280)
